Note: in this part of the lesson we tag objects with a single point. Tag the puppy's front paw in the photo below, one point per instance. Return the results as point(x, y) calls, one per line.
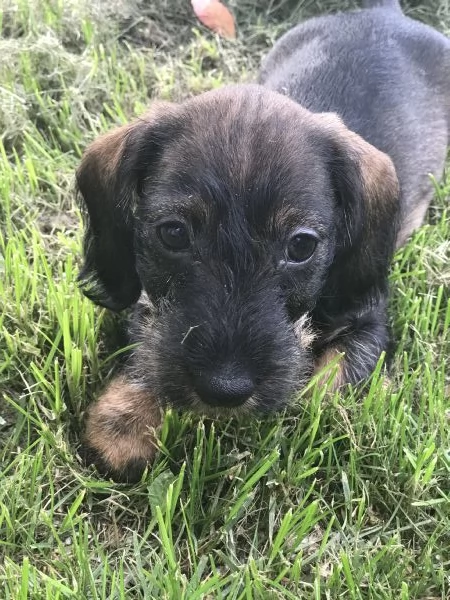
point(334, 376)
point(119, 437)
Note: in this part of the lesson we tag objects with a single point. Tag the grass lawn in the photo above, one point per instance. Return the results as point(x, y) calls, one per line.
point(337, 498)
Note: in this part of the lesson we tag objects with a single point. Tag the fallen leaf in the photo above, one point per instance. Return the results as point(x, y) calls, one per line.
point(214, 15)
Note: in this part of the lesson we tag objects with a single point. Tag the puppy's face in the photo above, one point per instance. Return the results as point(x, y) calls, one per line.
point(232, 212)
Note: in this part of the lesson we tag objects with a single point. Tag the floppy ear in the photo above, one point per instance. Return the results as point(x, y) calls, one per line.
point(108, 181)
point(367, 192)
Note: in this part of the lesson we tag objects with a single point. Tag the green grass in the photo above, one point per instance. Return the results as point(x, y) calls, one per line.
point(338, 498)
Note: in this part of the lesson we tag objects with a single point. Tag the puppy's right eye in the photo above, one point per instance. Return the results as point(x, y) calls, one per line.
point(174, 236)
point(301, 246)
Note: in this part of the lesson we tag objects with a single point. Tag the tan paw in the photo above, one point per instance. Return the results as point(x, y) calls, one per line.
point(329, 366)
point(119, 435)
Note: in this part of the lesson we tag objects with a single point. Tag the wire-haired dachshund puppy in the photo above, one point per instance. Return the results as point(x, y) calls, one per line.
point(252, 227)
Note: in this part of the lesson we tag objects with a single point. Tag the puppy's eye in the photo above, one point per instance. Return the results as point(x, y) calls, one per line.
point(301, 246)
point(174, 236)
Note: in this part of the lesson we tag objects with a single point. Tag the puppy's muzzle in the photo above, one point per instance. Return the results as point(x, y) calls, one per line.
point(226, 387)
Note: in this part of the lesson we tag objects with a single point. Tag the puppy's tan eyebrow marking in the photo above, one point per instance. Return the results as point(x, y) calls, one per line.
point(189, 207)
point(287, 218)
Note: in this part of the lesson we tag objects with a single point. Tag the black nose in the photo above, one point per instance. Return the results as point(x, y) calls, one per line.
point(224, 388)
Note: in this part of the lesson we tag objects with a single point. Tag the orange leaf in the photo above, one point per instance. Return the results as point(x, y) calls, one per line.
point(214, 15)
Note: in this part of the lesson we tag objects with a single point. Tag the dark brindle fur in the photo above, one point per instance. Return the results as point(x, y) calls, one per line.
point(229, 320)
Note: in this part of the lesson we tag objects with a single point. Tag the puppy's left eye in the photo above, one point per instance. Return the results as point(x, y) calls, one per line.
point(301, 246)
point(174, 235)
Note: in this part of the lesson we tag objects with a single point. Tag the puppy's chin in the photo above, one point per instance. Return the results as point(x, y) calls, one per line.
point(198, 406)
point(254, 406)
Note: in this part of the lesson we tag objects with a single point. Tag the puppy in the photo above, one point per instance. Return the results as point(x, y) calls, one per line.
point(252, 227)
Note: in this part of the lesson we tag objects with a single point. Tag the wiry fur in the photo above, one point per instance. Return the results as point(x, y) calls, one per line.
point(244, 167)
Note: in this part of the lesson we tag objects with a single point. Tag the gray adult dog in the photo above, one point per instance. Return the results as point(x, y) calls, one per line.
point(247, 212)
point(387, 77)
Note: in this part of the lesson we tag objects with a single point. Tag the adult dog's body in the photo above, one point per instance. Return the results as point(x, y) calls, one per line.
point(245, 212)
point(387, 77)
